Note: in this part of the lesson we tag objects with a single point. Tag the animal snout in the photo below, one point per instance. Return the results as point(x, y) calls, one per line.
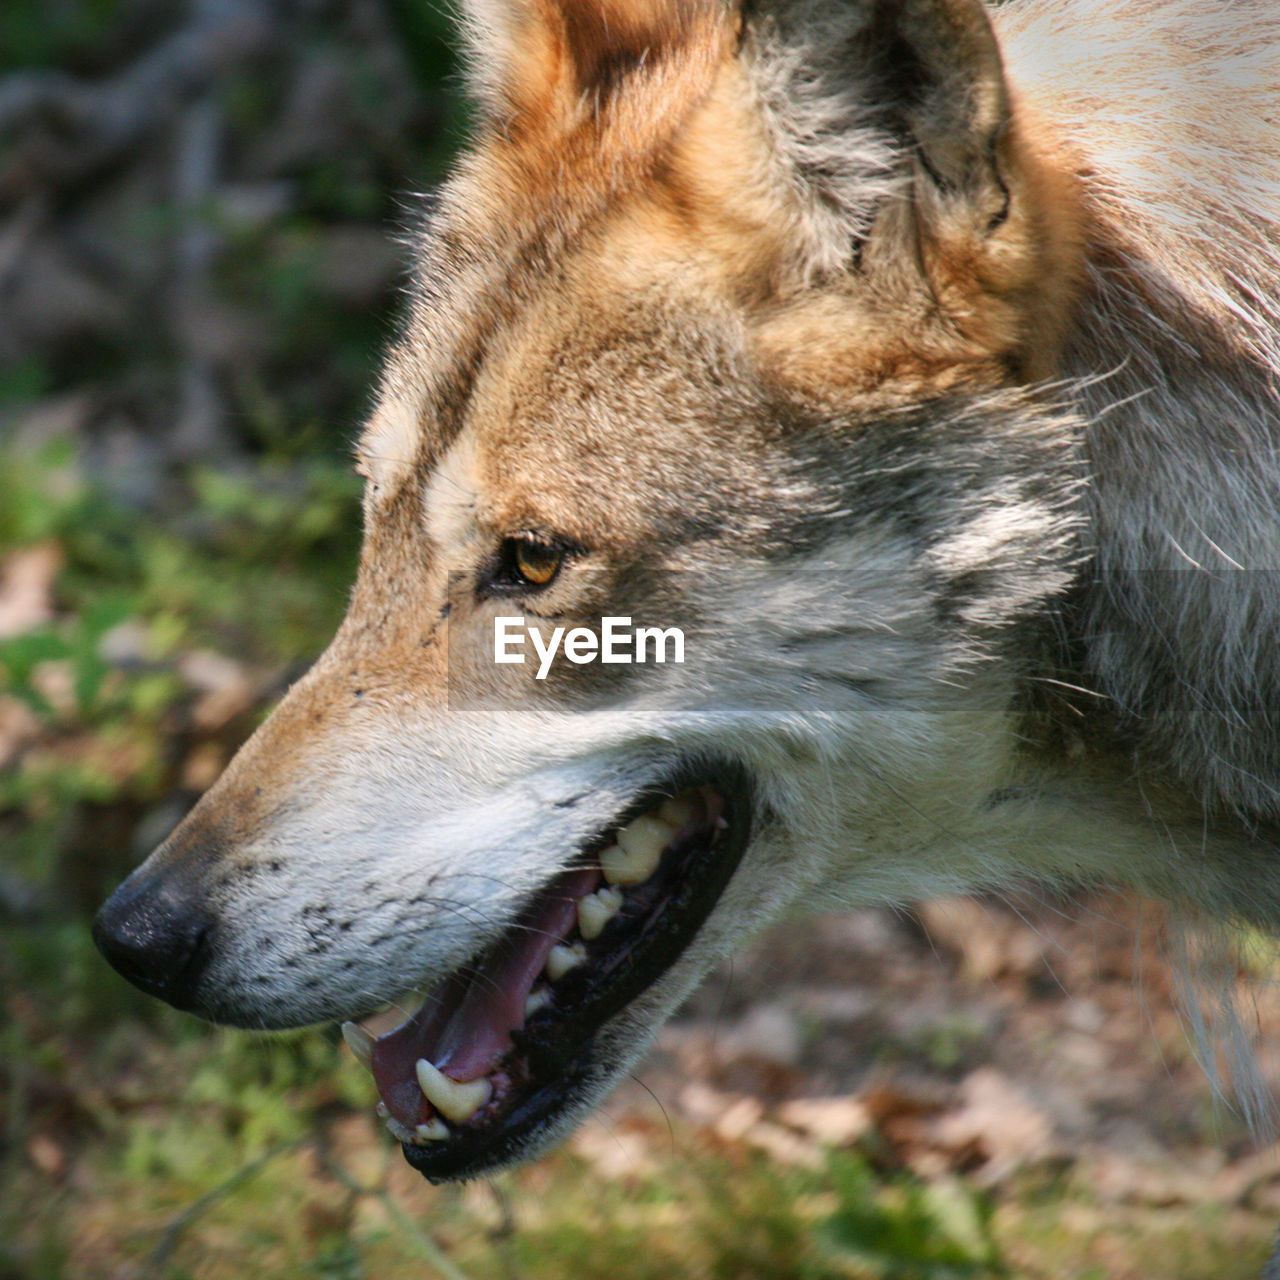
point(154, 931)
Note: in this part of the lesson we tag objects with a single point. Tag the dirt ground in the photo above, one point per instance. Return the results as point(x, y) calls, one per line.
point(991, 1039)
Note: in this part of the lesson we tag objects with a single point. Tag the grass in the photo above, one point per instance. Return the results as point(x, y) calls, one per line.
point(203, 1138)
point(213, 1156)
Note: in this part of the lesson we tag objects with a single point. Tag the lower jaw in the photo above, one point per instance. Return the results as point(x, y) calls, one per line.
point(531, 1124)
point(561, 1065)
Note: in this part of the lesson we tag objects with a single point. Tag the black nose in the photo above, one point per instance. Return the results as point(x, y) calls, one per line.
point(155, 935)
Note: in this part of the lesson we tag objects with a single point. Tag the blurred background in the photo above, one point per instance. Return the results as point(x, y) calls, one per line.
point(202, 210)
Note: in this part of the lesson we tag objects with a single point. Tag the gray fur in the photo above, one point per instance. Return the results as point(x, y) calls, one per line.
point(1173, 363)
point(962, 623)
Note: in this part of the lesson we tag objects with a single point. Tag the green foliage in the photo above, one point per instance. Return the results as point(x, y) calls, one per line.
point(261, 557)
point(78, 643)
point(725, 1216)
point(952, 1041)
point(258, 566)
point(36, 33)
point(912, 1230)
point(22, 381)
point(425, 37)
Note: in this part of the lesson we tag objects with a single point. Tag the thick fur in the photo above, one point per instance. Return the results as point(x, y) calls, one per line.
point(926, 373)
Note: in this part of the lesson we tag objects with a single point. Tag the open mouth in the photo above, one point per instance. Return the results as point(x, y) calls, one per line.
point(500, 1049)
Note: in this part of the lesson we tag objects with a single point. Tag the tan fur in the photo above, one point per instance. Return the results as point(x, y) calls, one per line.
point(906, 379)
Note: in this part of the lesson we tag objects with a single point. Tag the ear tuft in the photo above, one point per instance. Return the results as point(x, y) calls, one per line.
point(912, 171)
point(951, 97)
point(854, 86)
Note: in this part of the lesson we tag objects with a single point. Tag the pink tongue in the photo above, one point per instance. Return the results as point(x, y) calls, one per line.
point(465, 1025)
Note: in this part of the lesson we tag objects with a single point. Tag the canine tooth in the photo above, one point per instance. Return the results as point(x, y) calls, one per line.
point(536, 1001)
point(432, 1131)
point(679, 811)
point(639, 850)
point(453, 1100)
point(563, 958)
point(596, 910)
point(360, 1042)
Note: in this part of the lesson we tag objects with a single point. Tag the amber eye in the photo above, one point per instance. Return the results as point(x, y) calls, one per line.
point(536, 562)
point(525, 563)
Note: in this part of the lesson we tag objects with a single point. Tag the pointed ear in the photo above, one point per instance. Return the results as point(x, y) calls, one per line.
point(936, 77)
point(534, 59)
point(921, 170)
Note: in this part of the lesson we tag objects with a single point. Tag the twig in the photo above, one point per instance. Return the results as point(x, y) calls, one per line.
point(172, 1235)
point(426, 1246)
point(200, 430)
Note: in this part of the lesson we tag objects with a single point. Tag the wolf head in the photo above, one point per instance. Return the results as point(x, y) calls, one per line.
point(732, 321)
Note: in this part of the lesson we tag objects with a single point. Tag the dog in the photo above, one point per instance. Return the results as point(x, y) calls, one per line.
point(917, 363)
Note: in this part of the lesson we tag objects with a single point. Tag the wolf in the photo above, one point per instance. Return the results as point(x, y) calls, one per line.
point(918, 361)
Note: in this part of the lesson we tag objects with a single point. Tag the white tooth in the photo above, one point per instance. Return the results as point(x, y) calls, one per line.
point(453, 1100)
point(596, 910)
point(679, 811)
point(433, 1131)
point(381, 1111)
point(563, 958)
point(536, 1001)
point(614, 863)
point(639, 850)
point(360, 1042)
point(401, 1132)
point(644, 833)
